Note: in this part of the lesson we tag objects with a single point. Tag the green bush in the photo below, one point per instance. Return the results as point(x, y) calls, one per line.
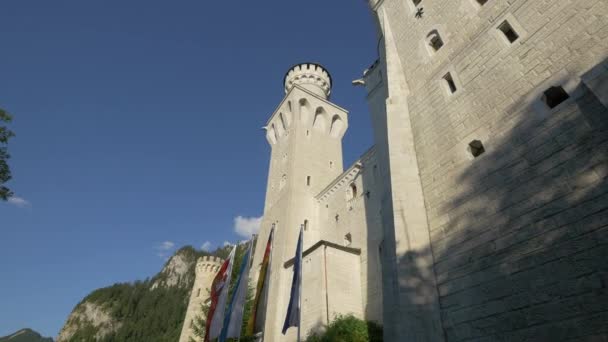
point(349, 329)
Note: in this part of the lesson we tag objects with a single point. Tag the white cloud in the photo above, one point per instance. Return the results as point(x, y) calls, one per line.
point(247, 226)
point(226, 243)
point(166, 245)
point(206, 246)
point(19, 202)
point(165, 248)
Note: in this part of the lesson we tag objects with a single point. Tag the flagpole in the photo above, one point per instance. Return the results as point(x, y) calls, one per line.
point(268, 285)
point(300, 285)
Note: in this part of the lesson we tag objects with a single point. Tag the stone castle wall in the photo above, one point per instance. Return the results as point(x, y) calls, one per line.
point(349, 214)
point(206, 269)
point(517, 234)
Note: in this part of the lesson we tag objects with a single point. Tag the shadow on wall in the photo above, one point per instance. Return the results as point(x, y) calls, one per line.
point(524, 255)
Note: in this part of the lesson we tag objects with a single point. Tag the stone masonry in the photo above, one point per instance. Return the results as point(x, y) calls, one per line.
point(206, 269)
point(500, 107)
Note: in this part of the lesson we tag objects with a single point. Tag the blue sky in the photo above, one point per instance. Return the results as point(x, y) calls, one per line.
point(138, 131)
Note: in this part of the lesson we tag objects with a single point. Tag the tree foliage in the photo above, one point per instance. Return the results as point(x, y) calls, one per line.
point(348, 328)
point(144, 314)
point(5, 172)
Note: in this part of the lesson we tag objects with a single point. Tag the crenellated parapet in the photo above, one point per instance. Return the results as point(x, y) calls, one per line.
point(307, 87)
point(208, 264)
point(310, 76)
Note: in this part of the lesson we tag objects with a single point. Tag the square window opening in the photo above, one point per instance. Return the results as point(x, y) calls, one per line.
point(476, 148)
point(554, 96)
point(435, 42)
point(508, 31)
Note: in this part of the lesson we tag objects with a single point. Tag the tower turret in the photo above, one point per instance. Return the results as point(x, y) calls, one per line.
point(206, 269)
point(305, 136)
point(310, 76)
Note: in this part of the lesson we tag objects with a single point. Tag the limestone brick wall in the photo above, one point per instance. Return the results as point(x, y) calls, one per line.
point(331, 281)
point(206, 269)
point(349, 215)
point(518, 234)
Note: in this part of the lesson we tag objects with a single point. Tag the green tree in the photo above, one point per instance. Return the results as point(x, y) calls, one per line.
point(348, 328)
point(5, 172)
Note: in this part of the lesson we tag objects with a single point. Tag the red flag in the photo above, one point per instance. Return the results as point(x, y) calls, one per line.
point(221, 281)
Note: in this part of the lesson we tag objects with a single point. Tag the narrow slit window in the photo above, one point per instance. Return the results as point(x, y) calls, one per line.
point(554, 96)
point(449, 80)
point(482, 2)
point(308, 180)
point(305, 225)
point(476, 148)
point(416, 2)
point(198, 293)
point(508, 31)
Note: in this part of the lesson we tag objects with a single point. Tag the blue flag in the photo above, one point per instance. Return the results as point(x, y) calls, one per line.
point(234, 316)
point(292, 319)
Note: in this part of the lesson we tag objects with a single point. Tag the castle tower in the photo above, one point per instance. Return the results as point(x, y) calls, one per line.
point(305, 136)
point(206, 269)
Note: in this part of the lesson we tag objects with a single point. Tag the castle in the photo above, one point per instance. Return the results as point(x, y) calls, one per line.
point(481, 211)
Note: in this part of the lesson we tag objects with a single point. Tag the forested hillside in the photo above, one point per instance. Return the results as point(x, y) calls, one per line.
point(141, 311)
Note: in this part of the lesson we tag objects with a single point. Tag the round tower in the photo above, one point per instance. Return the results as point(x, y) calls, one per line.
point(206, 269)
point(310, 76)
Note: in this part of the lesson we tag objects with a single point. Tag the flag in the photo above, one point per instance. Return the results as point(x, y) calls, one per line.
point(258, 312)
point(219, 292)
point(234, 316)
point(292, 318)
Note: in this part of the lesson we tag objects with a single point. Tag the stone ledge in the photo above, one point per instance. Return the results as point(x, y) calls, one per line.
point(356, 251)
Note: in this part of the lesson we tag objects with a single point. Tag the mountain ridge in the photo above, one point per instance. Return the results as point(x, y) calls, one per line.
point(152, 309)
point(25, 335)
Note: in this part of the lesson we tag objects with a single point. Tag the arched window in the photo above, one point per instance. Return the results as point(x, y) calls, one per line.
point(337, 126)
point(320, 122)
point(304, 111)
point(198, 293)
point(308, 180)
point(353, 190)
point(271, 134)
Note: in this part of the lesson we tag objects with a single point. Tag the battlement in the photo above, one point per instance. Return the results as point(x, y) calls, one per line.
point(311, 76)
point(210, 264)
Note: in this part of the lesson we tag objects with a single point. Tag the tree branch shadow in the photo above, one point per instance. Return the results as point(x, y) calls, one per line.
point(522, 255)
